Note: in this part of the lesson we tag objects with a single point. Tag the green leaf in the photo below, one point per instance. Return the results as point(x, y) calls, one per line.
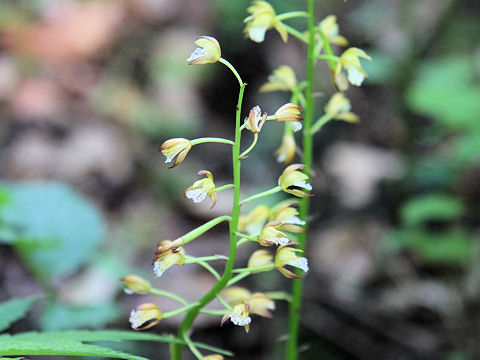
point(440, 207)
point(60, 347)
point(106, 335)
point(445, 89)
point(59, 316)
point(452, 247)
point(13, 310)
point(54, 211)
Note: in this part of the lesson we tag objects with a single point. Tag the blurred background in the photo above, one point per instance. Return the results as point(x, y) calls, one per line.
point(90, 89)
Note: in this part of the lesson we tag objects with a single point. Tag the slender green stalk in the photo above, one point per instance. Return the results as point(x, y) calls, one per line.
point(211, 140)
point(192, 347)
point(169, 295)
point(192, 259)
point(237, 278)
point(327, 57)
point(253, 269)
point(192, 235)
point(210, 269)
point(291, 15)
point(328, 50)
point(250, 148)
point(189, 318)
point(319, 123)
point(296, 33)
point(262, 194)
point(294, 318)
point(178, 311)
point(224, 187)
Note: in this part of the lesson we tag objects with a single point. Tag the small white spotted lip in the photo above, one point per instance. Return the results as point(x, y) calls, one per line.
point(197, 195)
point(301, 263)
point(197, 53)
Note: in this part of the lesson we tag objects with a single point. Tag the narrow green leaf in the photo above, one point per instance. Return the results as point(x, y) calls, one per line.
point(105, 335)
point(13, 310)
point(60, 347)
point(440, 207)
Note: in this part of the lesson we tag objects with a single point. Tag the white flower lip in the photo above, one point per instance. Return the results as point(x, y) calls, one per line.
point(257, 33)
point(303, 184)
point(240, 321)
point(134, 319)
point(301, 263)
point(157, 268)
point(197, 53)
point(294, 220)
point(169, 158)
point(355, 77)
point(295, 125)
point(280, 241)
point(197, 195)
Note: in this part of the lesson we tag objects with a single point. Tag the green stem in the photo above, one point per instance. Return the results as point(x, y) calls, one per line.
point(211, 140)
point(262, 194)
point(214, 312)
point(328, 50)
point(183, 301)
point(179, 311)
point(254, 269)
point(202, 229)
point(224, 303)
point(168, 294)
point(320, 122)
point(279, 295)
point(291, 15)
point(327, 57)
point(294, 317)
point(250, 148)
point(237, 278)
point(233, 227)
point(192, 260)
point(296, 33)
point(192, 346)
point(248, 237)
point(224, 187)
point(210, 269)
point(235, 72)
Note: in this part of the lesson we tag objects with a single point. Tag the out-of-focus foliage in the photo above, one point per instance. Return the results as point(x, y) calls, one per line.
point(72, 227)
point(13, 310)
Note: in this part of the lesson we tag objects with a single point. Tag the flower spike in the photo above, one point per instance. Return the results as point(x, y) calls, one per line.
point(288, 218)
point(253, 222)
point(145, 316)
point(292, 114)
point(329, 27)
point(167, 255)
point(177, 147)
point(260, 258)
point(287, 149)
point(338, 107)
point(292, 179)
point(286, 256)
point(270, 235)
point(259, 303)
point(239, 316)
point(207, 52)
point(350, 61)
point(263, 18)
point(282, 78)
point(135, 285)
point(201, 188)
point(255, 119)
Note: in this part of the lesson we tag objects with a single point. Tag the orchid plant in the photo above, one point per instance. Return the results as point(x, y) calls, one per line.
point(279, 226)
